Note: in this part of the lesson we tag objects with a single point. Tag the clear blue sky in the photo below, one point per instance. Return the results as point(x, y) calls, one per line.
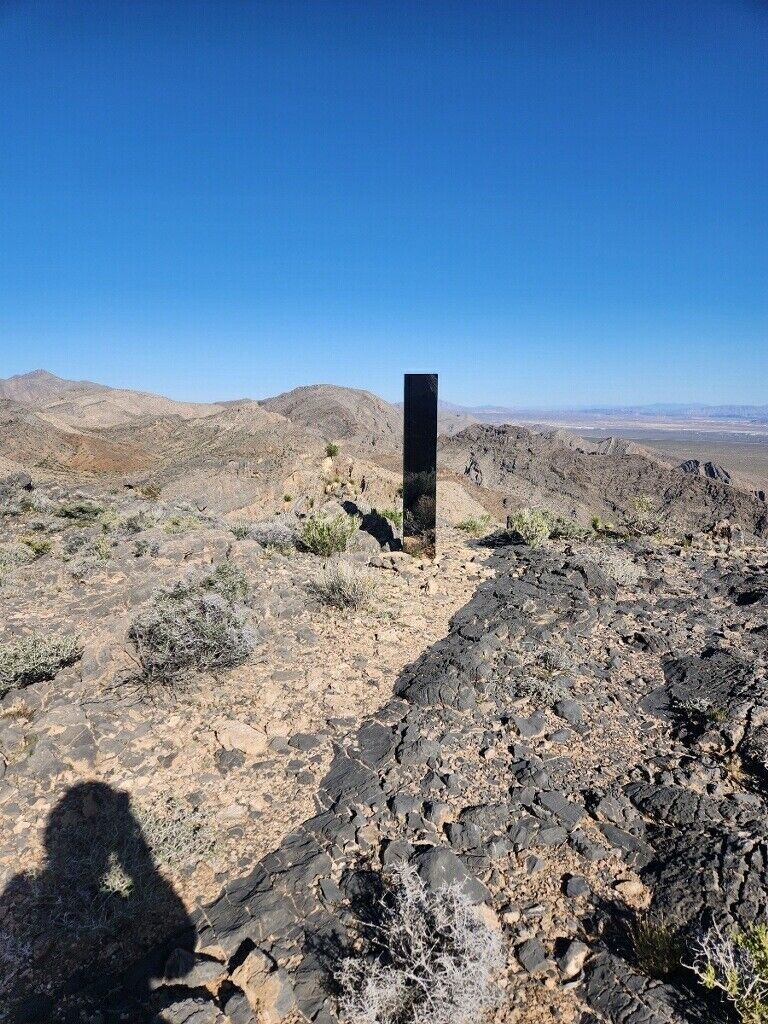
point(551, 202)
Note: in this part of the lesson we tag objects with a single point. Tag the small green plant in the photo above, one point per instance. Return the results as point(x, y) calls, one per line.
point(737, 965)
point(657, 947)
point(36, 657)
point(83, 513)
point(331, 450)
point(228, 580)
point(136, 523)
point(394, 515)
point(179, 523)
point(643, 519)
point(39, 546)
point(327, 536)
point(100, 548)
point(240, 531)
point(475, 526)
point(529, 526)
point(566, 529)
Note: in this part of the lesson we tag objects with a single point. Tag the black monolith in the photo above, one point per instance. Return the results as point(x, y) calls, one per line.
point(420, 463)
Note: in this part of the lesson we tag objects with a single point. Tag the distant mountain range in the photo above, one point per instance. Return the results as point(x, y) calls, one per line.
point(654, 410)
point(251, 454)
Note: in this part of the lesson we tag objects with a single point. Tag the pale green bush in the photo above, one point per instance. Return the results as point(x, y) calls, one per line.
point(34, 658)
point(529, 526)
point(327, 536)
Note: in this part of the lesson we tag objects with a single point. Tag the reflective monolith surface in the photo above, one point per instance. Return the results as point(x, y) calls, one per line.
point(420, 463)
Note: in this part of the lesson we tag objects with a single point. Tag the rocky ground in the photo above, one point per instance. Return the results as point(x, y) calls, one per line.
point(584, 747)
point(222, 763)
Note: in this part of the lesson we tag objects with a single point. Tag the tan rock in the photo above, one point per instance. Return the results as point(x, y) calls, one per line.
point(234, 735)
point(268, 991)
point(488, 916)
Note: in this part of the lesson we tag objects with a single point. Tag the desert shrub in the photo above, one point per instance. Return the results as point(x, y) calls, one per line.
point(142, 547)
point(737, 965)
point(327, 536)
point(475, 526)
point(561, 528)
point(12, 555)
point(240, 531)
point(72, 543)
point(331, 450)
point(81, 512)
point(34, 658)
point(39, 546)
point(616, 566)
point(431, 959)
point(228, 580)
point(643, 517)
point(546, 691)
point(184, 629)
point(178, 834)
point(150, 491)
point(86, 895)
point(136, 523)
point(535, 526)
point(657, 947)
point(394, 515)
point(274, 533)
point(345, 585)
point(529, 526)
point(181, 523)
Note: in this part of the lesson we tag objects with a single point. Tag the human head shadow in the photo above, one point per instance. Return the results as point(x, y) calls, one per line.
point(96, 911)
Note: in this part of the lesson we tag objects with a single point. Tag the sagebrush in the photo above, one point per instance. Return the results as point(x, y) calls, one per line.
point(274, 533)
point(616, 566)
point(535, 527)
point(475, 526)
point(34, 658)
point(189, 628)
point(345, 585)
point(430, 959)
point(529, 526)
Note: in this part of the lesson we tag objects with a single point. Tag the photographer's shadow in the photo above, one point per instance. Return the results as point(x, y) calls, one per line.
point(97, 913)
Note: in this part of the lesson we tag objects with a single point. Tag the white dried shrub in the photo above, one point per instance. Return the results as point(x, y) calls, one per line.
point(345, 585)
point(185, 629)
point(431, 960)
point(737, 965)
point(274, 533)
point(34, 658)
point(617, 567)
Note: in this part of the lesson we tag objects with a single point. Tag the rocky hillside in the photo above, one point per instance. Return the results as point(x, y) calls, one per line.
point(582, 480)
point(336, 413)
point(83, 404)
